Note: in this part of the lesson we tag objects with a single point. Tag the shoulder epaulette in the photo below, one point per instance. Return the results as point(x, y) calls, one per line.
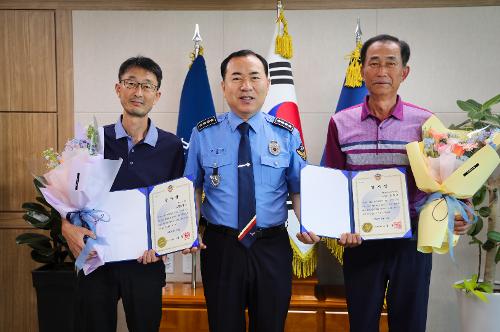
point(283, 124)
point(208, 122)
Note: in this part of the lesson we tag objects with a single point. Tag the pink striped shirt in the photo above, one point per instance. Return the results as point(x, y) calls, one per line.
point(358, 141)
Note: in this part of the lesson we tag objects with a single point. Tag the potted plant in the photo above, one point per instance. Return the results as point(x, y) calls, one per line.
point(479, 296)
point(54, 281)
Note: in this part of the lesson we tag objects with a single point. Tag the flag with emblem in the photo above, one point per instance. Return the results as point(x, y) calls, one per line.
point(281, 102)
point(196, 99)
point(353, 93)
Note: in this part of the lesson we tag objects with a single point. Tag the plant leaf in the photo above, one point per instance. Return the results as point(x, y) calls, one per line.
point(493, 236)
point(475, 240)
point(488, 245)
point(497, 257)
point(31, 206)
point(486, 287)
point(469, 105)
point(35, 222)
point(491, 102)
point(484, 212)
point(480, 295)
point(37, 257)
point(475, 229)
point(27, 238)
point(479, 196)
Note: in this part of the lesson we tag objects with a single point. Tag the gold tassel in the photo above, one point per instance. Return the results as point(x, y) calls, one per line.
point(283, 45)
point(353, 77)
point(384, 306)
point(192, 55)
point(303, 265)
point(335, 248)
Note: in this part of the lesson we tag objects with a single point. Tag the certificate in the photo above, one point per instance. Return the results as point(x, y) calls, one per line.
point(371, 203)
point(160, 217)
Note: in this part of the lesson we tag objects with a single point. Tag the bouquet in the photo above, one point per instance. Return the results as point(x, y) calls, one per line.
point(451, 166)
point(78, 179)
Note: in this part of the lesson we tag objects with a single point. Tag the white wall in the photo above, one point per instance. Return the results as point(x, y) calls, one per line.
point(454, 56)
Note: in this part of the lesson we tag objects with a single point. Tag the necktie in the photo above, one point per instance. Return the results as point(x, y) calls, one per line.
point(246, 189)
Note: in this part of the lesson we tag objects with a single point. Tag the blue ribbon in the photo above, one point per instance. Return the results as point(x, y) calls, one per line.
point(454, 205)
point(88, 218)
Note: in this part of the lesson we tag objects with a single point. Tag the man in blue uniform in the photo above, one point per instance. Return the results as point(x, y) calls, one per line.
point(150, 156)
point(246, 162)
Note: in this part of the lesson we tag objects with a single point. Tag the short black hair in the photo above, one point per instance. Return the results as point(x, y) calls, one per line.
point(403, 46)
point(141, 62)
point(239, 54)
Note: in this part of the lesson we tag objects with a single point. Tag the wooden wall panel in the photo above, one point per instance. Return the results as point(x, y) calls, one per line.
point(64, 48)
point(22, 139)
point(17, 300)
point(27, 61)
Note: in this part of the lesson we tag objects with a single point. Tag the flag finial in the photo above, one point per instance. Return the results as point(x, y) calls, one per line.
point(283, 45)
point(358, 32)
point(197, 40)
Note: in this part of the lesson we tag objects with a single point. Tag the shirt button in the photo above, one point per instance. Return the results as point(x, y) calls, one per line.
point(132, 150)
point(131, 163)
point(215, 164)
point(275, 163)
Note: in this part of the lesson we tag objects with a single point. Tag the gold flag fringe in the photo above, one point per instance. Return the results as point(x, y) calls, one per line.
point(335, 248)
point(305, 264)
point(192, 55)
point(353, 77)
point(283, 44)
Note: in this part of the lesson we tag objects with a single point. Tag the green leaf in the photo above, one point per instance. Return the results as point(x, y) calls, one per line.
point(469, 105)
point(42, 200)
point(475, 229)
point(484, 212)
point(486, 287)
point(479, 196)
point(497, 257)
point(480, 295)
point(37, 221)
point(30, 206)
point(37, 257)
point(491, 102)
point(493, 236)
point(27, 238)
point(488, 245)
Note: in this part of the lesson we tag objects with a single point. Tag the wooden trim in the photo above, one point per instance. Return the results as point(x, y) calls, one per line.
point(13, 220)
point(64, 73)
point(235, 5)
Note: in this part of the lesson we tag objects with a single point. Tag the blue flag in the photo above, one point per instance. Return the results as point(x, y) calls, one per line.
point(348, 97)
point(196, 101)
point(351, 96)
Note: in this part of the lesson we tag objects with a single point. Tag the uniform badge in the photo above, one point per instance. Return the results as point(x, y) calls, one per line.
point(274, 148)
point(301, 151)
point(215, 177)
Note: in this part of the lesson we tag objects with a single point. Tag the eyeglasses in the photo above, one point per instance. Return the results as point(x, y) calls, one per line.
point(131, 84)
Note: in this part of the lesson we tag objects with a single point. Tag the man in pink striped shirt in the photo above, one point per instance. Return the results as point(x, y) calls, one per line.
point(373, 135)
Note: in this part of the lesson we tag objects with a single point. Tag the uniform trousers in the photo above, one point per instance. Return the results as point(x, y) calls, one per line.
point(258, 278)
point(139, 286)
point(367, 270)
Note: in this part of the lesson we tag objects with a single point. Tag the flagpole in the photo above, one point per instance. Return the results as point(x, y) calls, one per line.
point(197, 40)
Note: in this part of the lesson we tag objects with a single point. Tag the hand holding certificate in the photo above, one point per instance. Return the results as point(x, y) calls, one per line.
point(160, 217)
point(371, 203)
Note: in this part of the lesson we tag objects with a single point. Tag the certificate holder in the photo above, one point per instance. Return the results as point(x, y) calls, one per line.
point(160, 217)
point(172, 217)
point(371, 203)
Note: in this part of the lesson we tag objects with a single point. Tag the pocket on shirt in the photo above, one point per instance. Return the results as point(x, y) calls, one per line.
point(274, 169)
point(212, 161)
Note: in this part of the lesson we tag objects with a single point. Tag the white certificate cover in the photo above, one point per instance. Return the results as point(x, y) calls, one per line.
point(371, 203)
point(160, 217)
